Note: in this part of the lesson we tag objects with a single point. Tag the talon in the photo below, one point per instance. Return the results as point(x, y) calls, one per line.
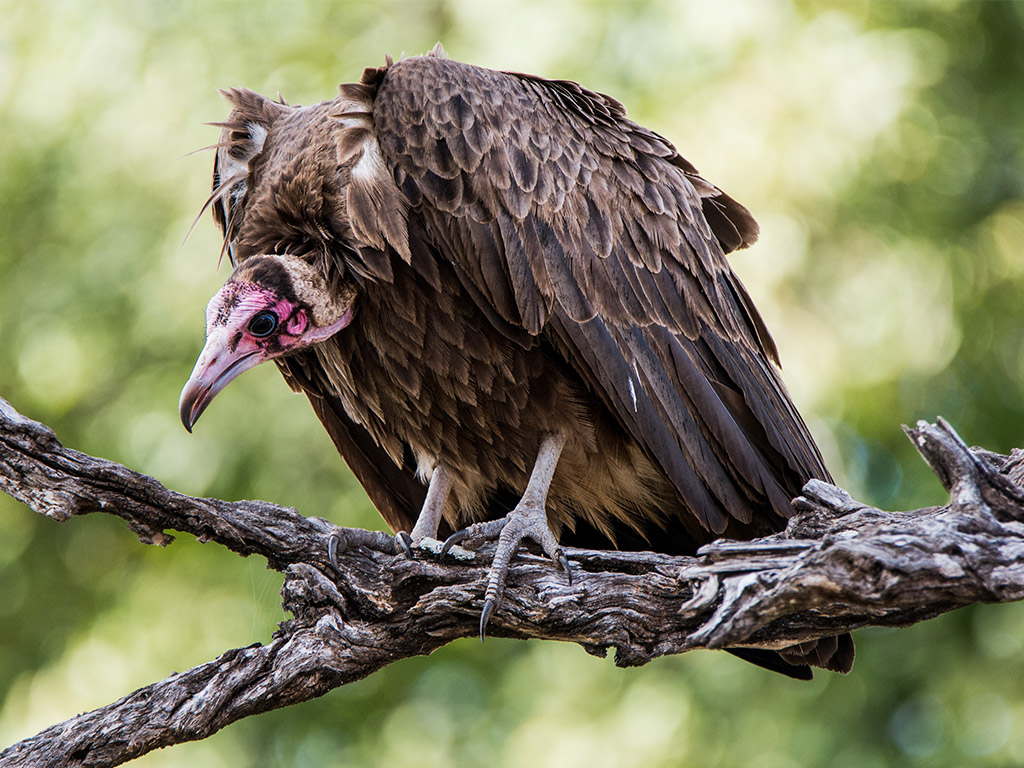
point(404, 540)
point(485, 616)
point(451, 541)
point(332, 550)
point(563, 563)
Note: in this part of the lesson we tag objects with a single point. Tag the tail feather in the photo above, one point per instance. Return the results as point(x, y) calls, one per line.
point(832, 653)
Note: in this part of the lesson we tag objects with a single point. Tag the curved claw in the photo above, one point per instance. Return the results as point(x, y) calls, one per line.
point(563, 563)
point(451, 541)
point(344, 539)
point(485, 616)
point(404, 540)
point(332, 550)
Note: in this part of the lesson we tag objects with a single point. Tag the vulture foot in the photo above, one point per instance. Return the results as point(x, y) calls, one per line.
point(527, 521)
point(432, 546)
point(344, 539)
point(424, 532)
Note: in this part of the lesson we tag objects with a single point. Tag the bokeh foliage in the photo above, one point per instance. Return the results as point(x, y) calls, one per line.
point(879, 145)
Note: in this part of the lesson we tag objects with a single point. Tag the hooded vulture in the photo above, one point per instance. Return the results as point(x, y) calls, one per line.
point(510, 307)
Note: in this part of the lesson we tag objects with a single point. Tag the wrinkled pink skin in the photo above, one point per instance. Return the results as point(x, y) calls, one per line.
point(231, 349)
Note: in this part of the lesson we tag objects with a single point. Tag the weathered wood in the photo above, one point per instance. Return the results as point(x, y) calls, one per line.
point(839, 565)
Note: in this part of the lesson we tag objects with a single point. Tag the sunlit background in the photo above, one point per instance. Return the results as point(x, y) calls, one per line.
point(878, 144)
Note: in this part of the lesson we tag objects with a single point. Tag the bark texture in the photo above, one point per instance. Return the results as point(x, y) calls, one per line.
point(839, 565)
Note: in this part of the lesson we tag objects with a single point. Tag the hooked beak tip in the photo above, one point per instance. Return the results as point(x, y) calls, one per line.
point(209, 378)
point(187, 407)
point(195, 396)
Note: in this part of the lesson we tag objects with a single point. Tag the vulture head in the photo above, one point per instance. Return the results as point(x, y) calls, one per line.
point(269, 307)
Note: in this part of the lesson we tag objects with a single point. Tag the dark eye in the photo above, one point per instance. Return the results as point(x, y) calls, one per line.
point(263, 324)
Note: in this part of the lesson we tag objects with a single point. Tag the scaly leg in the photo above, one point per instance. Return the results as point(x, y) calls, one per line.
point(528, 520)
point(429, 518)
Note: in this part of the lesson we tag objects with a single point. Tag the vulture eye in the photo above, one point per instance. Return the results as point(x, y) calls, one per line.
point(263, 324)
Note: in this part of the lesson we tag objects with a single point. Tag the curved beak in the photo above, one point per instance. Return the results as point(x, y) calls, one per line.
point(216, 367)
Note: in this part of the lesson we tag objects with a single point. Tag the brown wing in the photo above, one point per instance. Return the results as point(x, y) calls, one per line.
point(565, 218)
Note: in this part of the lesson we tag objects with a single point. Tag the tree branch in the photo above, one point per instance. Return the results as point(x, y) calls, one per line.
point(838, 566)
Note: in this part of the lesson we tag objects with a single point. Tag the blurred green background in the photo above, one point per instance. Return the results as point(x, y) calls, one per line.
point(878, 144)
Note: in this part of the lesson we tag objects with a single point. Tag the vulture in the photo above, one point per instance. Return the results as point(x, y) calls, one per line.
point(510, 307)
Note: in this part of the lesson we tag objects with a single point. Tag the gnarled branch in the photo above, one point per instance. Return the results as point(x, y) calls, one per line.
point(838, 566)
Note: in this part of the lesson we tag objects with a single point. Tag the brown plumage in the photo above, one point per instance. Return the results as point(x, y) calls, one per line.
point(519, 262)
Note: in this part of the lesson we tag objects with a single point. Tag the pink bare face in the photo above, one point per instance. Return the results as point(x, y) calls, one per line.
point(247, 323)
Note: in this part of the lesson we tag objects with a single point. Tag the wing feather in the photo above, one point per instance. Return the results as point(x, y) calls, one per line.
point(564, 218)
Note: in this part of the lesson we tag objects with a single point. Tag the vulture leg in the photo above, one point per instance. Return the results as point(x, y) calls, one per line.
point(528, 520)
point(425, 529)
